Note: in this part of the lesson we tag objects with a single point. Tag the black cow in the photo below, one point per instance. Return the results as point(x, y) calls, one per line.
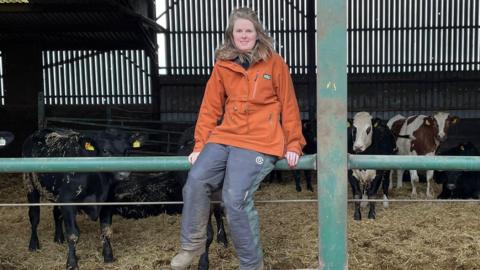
point(367, 136)
point(167, 186)
point(309, 132)
point(74, 187)
point(459, 184)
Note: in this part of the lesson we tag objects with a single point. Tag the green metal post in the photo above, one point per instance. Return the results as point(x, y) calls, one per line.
point(331, 130)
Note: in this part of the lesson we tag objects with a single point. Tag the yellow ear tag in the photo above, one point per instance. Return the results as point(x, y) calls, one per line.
point(462, 148)
point(427, 122)
point(348, 124)
point(454, 120)
point(136, 144)
point(376, 124)
point(89, 147)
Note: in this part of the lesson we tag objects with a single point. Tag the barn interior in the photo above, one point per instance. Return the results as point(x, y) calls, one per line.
point(96, 64)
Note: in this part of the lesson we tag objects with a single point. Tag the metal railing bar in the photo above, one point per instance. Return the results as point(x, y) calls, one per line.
point(257, 201)
point(110, 164)
point(459, 163)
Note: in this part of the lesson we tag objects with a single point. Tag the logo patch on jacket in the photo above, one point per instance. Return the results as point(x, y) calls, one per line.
point(267, 76)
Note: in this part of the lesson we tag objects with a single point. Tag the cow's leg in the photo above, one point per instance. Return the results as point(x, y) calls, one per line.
point(275, 176)
point(57, 217)
point(390, 182)
point(69, 218)
point(399, 178)
point(356, 192)
point(385, 186)
point(221, 233)
point(444, 194)
point(413, 180)
point(34, 216)
point(106, 227)
point(308, 179)
point(430, 192)
point(297, 176)
point(203, 262)
point(372, 191)
point(364, 203)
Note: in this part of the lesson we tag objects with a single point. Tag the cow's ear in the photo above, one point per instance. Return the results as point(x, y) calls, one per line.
point(137, 140)
point(136, 144)
point(88, 144)
point(6, 137)
point(455, 119)
point(89, 147)
point(428, 121)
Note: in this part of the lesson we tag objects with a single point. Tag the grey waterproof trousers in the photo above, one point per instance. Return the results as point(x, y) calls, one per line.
point(240, 171)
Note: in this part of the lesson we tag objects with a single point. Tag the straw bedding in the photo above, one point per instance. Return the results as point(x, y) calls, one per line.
point(404, 236)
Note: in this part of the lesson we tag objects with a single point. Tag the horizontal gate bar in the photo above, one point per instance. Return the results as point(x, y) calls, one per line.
point(180, 163)
point(108, 164)
point(459, 163)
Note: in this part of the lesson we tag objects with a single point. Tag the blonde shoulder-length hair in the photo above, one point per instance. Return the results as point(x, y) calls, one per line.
point(263, 48)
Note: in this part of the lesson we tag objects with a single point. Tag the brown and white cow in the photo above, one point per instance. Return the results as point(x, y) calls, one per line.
point(420, 135)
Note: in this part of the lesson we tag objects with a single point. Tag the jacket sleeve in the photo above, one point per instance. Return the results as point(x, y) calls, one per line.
point(211, 109)
point(290, 115)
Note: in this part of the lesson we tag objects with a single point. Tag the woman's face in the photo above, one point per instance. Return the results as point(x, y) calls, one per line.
point(244, 34)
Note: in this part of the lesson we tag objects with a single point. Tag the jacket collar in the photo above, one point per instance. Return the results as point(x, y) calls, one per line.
point(232, 66)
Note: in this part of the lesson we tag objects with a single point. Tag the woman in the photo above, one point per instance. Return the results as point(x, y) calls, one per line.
point(249, 117)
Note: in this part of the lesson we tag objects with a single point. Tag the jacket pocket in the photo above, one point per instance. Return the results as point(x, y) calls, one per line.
point(262, 92)
point(234, 120)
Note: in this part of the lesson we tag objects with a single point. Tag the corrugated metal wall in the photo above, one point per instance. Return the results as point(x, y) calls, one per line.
point(2, 90)
point(404, 56)
point(414, 56)
point(90, 77)
point(413, 35)
point(196, 29)
point(384, 36)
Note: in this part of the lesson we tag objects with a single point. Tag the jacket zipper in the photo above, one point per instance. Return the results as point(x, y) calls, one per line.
point(255, 85)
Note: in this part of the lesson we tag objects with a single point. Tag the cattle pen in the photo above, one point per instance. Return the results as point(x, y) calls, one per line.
point(331, 161)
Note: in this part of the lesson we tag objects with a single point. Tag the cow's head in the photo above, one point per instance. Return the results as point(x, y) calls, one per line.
point(114, 142)
point(444, 121)
point(6, 137)
point(362, 131)
point(450, 179)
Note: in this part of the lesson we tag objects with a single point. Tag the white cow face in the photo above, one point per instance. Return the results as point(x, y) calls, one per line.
point(444, 121)
point(362, 131)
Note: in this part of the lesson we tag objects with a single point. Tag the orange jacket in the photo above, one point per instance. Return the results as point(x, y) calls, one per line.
point(257, 108)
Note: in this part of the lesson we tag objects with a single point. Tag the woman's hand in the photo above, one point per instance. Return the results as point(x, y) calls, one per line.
point(193, 157)
point(292, 159)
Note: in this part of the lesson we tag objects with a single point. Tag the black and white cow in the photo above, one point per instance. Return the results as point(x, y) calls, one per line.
point(74, 187)
point(420, 135)
point(167, 186)
point(368, 136)
point(459, 184)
